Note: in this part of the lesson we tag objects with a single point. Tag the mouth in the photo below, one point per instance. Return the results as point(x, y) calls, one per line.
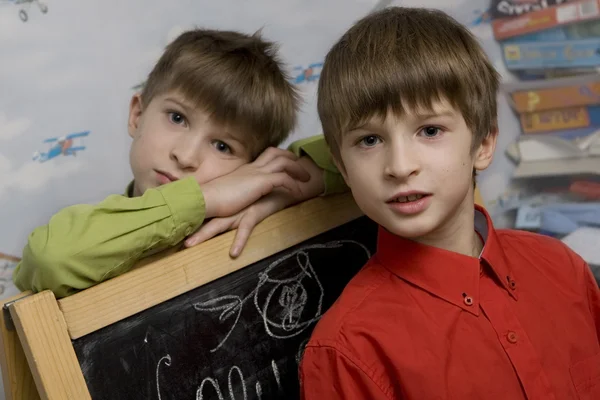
point(408, 197)
point(165, 177)
point(410, 203)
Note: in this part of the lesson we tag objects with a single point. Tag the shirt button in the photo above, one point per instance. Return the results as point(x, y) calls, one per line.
point(468, 300)
point(512, 337)
point(511, 283)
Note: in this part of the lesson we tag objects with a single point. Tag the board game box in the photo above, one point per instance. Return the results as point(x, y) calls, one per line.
point(559, 54)
point(550, 17)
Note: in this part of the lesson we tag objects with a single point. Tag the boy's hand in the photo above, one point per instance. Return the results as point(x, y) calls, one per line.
point(231, 193)
point(244, 221)
point(247, 219)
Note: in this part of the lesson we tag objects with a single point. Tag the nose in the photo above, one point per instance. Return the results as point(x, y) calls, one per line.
point(186, 153)
point(401, 160)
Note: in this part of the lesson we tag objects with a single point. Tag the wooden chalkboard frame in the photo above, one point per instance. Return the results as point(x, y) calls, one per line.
point(18, 381)
point(46, 326)
point(28, 365)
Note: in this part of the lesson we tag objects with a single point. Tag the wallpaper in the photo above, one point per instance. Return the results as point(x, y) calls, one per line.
point(70, 67)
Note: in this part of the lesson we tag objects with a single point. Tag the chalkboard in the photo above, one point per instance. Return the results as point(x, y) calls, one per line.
point(238, 337)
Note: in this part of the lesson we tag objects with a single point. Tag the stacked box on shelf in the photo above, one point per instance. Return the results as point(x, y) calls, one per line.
point(536, 20)
point(553, 48)
point(560, 126)
point(514, 8)
point(548, 38)
point(558, 120)
point(584, 91)
point(575, 46)
point(559, 117)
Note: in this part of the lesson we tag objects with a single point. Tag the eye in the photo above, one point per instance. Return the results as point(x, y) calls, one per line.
point(177, 118)
point(222, 147)
point(369, 141)
point(431, 131)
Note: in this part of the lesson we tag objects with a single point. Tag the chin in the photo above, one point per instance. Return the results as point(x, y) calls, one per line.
point(409, 228)
point(407, 232)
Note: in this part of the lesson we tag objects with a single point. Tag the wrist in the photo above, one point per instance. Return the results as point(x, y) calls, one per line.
point(209, 209)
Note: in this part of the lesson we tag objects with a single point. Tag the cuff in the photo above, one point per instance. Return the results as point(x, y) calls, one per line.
point(186, 202)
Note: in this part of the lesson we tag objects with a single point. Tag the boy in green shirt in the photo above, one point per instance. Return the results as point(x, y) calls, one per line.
point(205, 130)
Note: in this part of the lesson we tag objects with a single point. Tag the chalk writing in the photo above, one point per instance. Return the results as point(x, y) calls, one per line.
point(241, 378)
point(232, 305)
point(284, 308)
point(258, 391)
point(167, 360)
point(233, 371)
point(276, 373)
point(215, 385)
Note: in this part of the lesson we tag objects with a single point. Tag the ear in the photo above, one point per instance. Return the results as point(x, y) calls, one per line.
point(135, 113)
point(485, 153)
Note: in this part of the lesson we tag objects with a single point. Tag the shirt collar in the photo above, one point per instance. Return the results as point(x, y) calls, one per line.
point(450, 276)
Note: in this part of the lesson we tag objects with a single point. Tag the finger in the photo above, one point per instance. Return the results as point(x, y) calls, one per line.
point(291, 167)
point(284, 181)
point(241, 236)
point(209, 230)
point(271, 153)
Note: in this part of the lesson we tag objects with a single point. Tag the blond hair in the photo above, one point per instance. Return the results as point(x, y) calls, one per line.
point(405, 59)
point(236, 78)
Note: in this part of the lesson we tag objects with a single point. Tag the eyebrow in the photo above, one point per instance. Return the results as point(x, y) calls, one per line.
point(424, 115)
point(433, 114)
point(364, 125)
point(234, 137)
point(186, 107)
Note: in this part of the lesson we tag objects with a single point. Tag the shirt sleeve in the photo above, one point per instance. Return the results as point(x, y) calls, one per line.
point(593, 295)
point(316, 148)
point(586, 279)
point(326, 373)
point(83, 245)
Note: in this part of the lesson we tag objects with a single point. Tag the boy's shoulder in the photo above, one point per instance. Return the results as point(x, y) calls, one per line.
point(530, 244)
point(536, 255)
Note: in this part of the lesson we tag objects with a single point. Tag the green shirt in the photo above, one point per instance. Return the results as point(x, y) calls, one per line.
point(83, 245)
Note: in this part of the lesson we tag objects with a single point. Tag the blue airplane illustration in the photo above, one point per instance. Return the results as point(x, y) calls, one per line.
point(25, 4)
point(481, 17)
point(309, 74)
point(63, 146)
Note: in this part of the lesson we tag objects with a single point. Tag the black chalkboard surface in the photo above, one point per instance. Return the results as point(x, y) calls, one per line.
point(238, 337)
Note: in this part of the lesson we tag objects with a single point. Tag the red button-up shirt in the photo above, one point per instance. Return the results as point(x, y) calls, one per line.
point(417, 322)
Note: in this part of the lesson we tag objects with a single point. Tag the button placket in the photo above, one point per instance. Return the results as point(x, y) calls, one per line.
point(498, 309)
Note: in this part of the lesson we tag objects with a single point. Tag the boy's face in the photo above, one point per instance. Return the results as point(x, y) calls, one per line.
point(172, 140)
point(413, 174)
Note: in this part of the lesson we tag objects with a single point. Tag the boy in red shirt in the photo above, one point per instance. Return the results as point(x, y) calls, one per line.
point(448, 307)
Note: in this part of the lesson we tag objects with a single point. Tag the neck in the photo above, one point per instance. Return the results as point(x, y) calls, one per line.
point(133, 190)
point(457, 234)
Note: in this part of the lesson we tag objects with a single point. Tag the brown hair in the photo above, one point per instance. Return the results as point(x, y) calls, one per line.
point(402, 59)
point(236, 78)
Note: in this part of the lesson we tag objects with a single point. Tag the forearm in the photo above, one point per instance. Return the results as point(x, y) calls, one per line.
point(85, 244)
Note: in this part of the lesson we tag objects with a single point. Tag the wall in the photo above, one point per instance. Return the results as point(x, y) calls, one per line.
point(73, 69)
